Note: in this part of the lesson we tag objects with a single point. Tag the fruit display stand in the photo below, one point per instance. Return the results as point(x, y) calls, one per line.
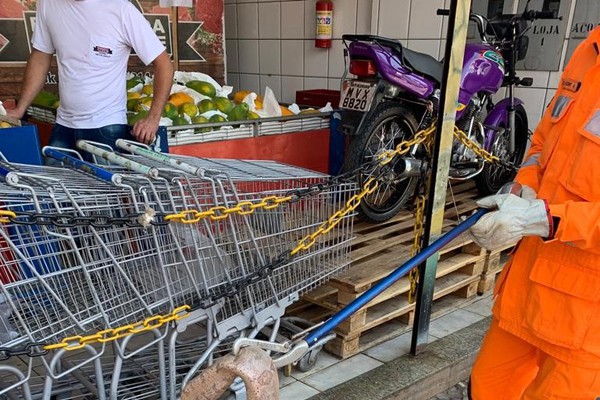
point(302, 140)
point(204, 119)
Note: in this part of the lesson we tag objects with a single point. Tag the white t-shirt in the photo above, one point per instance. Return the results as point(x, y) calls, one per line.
point(92, 40)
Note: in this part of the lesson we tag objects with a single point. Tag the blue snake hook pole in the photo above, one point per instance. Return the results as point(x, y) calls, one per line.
point(314, 336)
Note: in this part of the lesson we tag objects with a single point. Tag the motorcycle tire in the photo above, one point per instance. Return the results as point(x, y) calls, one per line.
point(493, 177)
point(379, 135)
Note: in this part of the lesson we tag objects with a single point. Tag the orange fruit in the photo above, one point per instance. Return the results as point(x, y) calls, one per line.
point(285, 111)
point(238, 97)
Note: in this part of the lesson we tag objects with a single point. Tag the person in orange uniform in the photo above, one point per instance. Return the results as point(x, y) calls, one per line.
point(544, 340)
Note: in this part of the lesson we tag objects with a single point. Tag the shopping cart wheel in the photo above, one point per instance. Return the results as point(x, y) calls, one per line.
point(309, 360)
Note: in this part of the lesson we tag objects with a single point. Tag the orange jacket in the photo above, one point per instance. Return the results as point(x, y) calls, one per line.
point(549, 294)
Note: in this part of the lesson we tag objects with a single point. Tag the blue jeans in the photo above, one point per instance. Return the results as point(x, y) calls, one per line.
point(67, 138)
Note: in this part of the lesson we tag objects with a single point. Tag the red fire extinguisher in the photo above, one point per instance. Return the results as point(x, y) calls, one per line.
point(324, 23)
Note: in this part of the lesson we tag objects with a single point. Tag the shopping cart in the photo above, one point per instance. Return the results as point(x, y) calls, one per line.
point(123, 281)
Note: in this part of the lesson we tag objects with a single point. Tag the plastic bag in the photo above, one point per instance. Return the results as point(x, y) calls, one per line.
point(270, 105)
point(294, 108)
point(327, 108)
point(183, 77)
point(249, 99)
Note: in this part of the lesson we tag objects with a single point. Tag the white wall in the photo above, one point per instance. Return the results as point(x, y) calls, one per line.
point(271, 43)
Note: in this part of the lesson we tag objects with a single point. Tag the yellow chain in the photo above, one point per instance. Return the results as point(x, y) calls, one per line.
point(4, 215)
point(368, 188)
point(109, 335)
point(474, 147)
point(308, 241)
point(221, 212)
point(413, 276)
point(402, 148)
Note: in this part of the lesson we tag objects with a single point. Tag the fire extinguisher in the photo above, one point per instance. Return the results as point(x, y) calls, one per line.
point(324, 24)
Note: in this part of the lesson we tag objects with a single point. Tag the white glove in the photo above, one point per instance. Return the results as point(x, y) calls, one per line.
point(527, 193)
point(515, 218)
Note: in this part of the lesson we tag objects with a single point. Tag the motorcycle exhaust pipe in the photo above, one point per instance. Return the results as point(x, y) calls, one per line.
point(410, 167)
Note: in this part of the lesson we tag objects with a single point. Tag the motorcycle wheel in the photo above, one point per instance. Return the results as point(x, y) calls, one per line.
point(390, 125)
point(493, 177)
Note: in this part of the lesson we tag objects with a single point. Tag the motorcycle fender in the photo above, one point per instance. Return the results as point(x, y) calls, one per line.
point(498, 116)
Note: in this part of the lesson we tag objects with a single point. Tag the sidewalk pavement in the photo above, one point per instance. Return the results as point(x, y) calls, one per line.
point(387, 371)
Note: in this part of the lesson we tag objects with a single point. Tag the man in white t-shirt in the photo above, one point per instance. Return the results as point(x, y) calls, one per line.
point(92, 40)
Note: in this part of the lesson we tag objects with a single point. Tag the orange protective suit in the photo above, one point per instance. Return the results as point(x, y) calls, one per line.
point(549, 293)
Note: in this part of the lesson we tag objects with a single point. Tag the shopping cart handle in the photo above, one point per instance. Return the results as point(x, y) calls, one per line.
point(81, 165)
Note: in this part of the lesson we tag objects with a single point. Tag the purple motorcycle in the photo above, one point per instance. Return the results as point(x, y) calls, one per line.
point(395, 93)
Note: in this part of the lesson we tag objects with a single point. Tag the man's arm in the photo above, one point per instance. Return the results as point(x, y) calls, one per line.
point(145, 130)
point(530, 172)
point(36, 70)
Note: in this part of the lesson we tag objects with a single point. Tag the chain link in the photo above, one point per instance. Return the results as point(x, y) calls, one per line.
point(67, 220)
point(309, 241)
point(419, 227)
point(481, 152)
point(404, 147)
point(221, 212)
point(109, 335)
point(34, 349)
point(5, 216)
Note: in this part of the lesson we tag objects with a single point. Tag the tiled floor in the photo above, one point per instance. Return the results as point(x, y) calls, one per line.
point(330, 371)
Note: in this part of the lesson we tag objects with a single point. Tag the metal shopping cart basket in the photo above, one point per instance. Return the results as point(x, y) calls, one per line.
point(122, 282)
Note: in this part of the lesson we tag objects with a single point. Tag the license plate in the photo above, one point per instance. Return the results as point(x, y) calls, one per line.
point(357, 95)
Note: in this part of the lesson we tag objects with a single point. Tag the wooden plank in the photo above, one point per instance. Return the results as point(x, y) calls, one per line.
point(486, 283)
point(319, 293)
point(362, 274)
point(398, 306)
point(398, 317)
point(494, 259)
point(468, 264)
point(382, 232)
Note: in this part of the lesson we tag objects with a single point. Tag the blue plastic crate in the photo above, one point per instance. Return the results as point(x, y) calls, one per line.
point(21, 144)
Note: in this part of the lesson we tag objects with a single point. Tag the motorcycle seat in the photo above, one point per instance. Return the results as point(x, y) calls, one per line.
point(423, 63)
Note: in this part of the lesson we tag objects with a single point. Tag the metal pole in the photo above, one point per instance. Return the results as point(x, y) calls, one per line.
point(455, 48)
point(175, 44)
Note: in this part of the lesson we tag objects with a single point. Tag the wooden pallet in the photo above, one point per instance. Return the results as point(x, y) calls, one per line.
point(376, 251)
point(494, 261)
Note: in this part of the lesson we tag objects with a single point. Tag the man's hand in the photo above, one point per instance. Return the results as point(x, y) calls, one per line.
point(515, 217)
point(15, 113)
point(144, 131)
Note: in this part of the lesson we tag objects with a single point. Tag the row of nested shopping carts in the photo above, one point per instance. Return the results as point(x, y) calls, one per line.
point(123, 280)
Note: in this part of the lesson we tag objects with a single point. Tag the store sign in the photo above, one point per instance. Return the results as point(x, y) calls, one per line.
point(585, 19)
point(16, 35)
point(546, 37)
point(161, 26)
point(13, 41)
